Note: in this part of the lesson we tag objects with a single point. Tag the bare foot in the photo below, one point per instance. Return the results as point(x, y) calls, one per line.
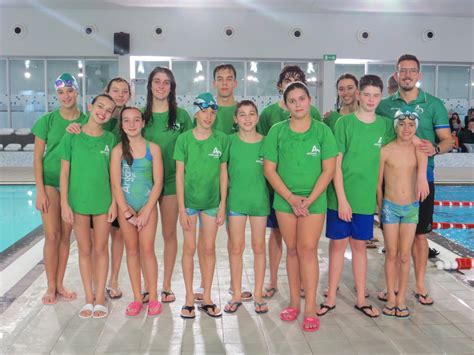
point(49, 299)
point(67, 294)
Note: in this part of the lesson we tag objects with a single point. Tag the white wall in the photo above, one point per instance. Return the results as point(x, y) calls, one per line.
point(197, 33)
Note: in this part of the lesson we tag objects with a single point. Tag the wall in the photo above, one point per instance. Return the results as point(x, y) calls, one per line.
point(197, 33)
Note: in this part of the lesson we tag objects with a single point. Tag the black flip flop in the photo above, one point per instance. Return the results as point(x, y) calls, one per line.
point(399, 310)
point(189, 309)
point(386, 311)
point(363, 310)
point(260, 304)
point(420, 296)
point(325, 306)
point(271, 290)
point(206, 307)
point(166, 294)
point(235, 304)
point(144, 296)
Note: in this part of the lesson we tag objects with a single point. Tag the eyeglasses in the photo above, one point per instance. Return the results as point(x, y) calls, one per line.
point(410, 71)
point(205, 105)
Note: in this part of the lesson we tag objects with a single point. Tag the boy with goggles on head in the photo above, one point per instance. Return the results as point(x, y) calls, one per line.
point(399, 205)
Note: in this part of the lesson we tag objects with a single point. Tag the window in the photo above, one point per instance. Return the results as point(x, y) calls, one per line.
point(355, 69)
point(3, 95)
point(191, 77)
point(262, 78)
point(98, 75)
point(427, 82)
point(384, 71)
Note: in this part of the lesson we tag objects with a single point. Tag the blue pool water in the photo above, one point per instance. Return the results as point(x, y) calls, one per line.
point(463, 237)
point(18, 215)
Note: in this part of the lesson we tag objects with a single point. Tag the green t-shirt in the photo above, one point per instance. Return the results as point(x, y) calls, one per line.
point(202, 165)
point(360, 145)
point(157, 131)
point(433, 115)
point(248, 192)
point(331, 119)
point(89, 178)
point(299, 158)
point(225, 119)
point(51, 128)
point(274, 113)
point(110, 126)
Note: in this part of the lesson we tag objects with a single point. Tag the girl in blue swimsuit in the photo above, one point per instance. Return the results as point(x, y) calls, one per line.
point(137, 180)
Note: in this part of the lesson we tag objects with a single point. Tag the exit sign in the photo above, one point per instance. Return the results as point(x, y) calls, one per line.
point(329, 57)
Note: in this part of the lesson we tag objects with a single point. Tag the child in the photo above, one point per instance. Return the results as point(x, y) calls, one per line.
point(399, 208)
point(86, 195)
point(300, 159)
point(137, 181)
point(248, 197)
point(48, 131)
point(352, 198)
point(271, 115)
point(201, 156)
point(346, 86)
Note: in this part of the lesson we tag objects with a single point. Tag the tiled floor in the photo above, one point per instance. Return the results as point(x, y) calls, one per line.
point(447, 327)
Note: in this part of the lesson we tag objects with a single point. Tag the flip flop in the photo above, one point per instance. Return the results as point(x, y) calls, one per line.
point(145, 297)
point(229, 308)
point(87, 307)
point(154, 308)
point(196, 292)
point(165, 295)
point(100, 308)
point(260, 304)
point(399, 310)
point(363, 310)
point(325, 306)
point(308, 321)
point(246, 295)
point(206, 307)
point(133, 309)
point(270, 292)
point(382, 295)
point(189, 309)
point(420, 297)
point(289, 314)
point(114, 294)
point(389, 311)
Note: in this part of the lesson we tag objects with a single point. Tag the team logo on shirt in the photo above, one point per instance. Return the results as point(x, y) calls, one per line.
point(106, 150)
point(259, 160)
point(314, 151)
point(419, 109)
point(177, 126)
point(216, 153)
point(379, 142)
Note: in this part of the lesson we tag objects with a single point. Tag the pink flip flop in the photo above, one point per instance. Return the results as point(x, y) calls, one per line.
point(310, 321)
point(289, 314)
point(133, 309)
point(154, 308)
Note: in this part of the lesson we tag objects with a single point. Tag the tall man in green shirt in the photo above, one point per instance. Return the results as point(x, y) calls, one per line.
point(225, 82)
point(435, 132)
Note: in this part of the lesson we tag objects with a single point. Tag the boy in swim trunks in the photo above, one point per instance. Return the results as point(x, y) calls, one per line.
point(398, 204)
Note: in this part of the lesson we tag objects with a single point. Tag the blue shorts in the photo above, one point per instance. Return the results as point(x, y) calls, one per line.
point(361, 227)
point(210, 212)
point(393, 213)
point(236, 214)
point(272, 221)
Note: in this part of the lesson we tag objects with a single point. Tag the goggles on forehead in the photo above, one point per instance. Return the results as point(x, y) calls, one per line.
point(402, 116)
point(205, 105)
point(59, 83)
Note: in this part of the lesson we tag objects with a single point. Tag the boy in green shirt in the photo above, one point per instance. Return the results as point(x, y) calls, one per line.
point(86, 195)
point(225, 82)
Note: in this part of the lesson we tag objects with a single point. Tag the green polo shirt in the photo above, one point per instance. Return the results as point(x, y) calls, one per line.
point(433, 115)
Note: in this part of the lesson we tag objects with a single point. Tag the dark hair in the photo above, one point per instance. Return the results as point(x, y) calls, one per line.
point(126, 150)
point(224, 67)
point(458, 120)
point(172, 105)
point(102, 95)
point(290, 71)
point(370, 80)
point(117, 80)
point(392, 83)
point(293, 86)
point(408, 57)
point(342, 77)
point(245, 103)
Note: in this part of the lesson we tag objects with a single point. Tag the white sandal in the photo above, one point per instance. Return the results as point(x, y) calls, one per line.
point(100, 308)
point(87, 307)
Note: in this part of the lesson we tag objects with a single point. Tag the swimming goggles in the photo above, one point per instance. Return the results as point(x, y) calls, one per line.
point(205, 105)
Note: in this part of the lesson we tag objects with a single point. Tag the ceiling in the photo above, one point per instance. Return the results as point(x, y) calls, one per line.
point(463, 8)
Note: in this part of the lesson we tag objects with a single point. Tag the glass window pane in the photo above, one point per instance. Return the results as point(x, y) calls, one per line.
point(262, 78)
point(142, 70)
point(384, 71)
point(55, 69)
point(427, 83)
point(27, 91)
point(355, 69)
point(239, 68)
point(191, 77)
point(453, 87)
point(98, 74)
point(3, 95)
point(311, 70)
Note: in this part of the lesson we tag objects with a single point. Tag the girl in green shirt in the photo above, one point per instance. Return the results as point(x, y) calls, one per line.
point(300, 160)
point(248, 197)
point(165, 121)
point(86, 196)
point(48, 131)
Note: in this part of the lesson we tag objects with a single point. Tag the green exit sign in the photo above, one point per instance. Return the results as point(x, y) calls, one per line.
point(329, 57)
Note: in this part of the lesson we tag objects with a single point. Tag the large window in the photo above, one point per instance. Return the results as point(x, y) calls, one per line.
point(384, 71)
point(428, 79)
point(261, 78)
point(4, 100)
point(97, 75)
point(355, 69)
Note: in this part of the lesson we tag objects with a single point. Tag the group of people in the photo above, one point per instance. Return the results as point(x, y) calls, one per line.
point(286, 168)
point(463, 136)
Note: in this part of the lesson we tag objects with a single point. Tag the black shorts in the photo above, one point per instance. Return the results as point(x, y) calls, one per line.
point(115, 223)
point(425, 214)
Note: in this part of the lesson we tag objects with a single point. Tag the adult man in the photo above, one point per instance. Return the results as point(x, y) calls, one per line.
point(434, 126)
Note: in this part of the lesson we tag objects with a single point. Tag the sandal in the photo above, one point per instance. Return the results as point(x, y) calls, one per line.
point(398, 312)
point(198, 294)
point(100, 308)
point(87, 307)
point(260, 305)
point(154, 308)
point(133, 309)
point(270, 292)
point(289, 314)
point(246, 295)
point(165, 295)
point(113, 293)
point(364, 309)
point(382, 295)
point(206, 307)
point(310, 324)
point(229, 307)
point(189, 309)
point(422, 298)
point(328, 309)
point(389, 311)
point(145, 297)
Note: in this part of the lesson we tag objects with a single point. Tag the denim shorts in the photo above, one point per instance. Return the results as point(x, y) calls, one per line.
point(393, 213)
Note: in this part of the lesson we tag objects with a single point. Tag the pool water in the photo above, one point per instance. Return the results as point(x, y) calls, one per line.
point(463, 237)
point(18, 215)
